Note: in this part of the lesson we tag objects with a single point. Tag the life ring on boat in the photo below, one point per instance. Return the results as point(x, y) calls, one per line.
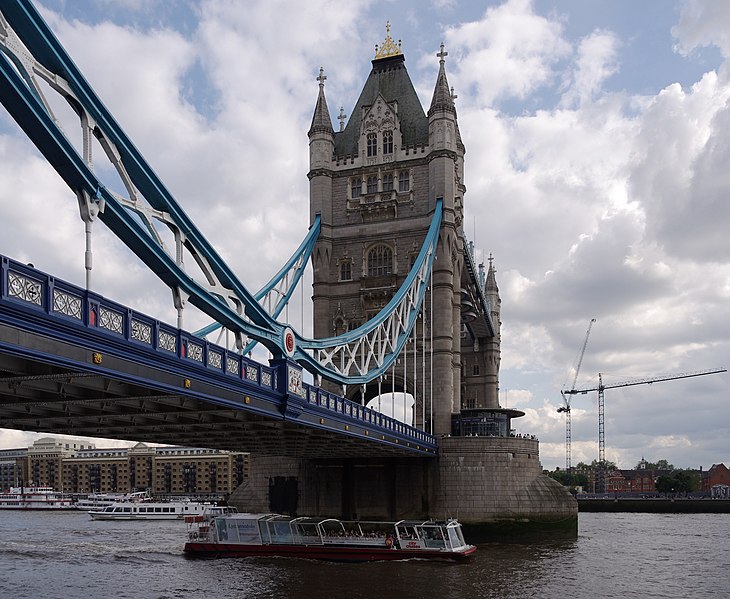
point(195, 535)
point(389, 542)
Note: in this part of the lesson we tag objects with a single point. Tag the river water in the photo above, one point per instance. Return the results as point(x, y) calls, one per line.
point(70, 556)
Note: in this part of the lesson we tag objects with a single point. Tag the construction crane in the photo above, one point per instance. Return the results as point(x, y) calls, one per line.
point(566, 400)
point(600, 483)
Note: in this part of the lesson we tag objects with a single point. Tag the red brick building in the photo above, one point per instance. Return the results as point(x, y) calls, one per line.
point(718, 474)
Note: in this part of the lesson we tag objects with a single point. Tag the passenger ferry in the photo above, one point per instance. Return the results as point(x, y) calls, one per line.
point(34, 498)
point(244, 535)
point(150, 510)
point(98, 501)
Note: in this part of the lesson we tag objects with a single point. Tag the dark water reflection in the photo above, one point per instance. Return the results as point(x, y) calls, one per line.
point(615, 555)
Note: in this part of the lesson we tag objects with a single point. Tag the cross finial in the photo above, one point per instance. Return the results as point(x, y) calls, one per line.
point(491, 260)
point(387, 28)
point(322, 77)
point(442, 55)
point(342, 118)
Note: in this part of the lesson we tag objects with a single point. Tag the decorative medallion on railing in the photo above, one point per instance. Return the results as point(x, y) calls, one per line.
point(215, 359)
point(25, 289)
point(111, 320)
point(141, 332)
point(65, 303)
point(166, 341)
point(232, 365)
point(195, 352)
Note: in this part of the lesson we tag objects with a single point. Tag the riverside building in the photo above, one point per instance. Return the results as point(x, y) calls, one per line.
point(73, 467)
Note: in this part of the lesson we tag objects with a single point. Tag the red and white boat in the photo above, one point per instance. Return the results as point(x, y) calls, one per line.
point(269, 535)
point(34, 498)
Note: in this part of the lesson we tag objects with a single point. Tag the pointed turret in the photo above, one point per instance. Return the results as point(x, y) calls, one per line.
point(321, 150)
point(442, 95)
point(321, 122)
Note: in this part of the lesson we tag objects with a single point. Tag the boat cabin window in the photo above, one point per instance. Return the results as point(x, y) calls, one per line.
point(433, 536)
point(454, 534)
point(280, 532)
point(407, 532)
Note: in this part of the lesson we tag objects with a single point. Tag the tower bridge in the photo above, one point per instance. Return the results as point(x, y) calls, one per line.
point(399, 306)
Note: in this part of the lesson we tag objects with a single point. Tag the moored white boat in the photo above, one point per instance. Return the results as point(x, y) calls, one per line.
point(98, 501)
point(150, 510)
point(34, 498)
point(244, 535)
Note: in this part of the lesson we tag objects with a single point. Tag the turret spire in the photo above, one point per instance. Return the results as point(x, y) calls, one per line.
point(321, 122)
point(443, 96)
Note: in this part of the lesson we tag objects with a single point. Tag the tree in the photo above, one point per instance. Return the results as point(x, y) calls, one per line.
point(659, 465)
point(680, 481)
point(664, 484)
point(569, 479)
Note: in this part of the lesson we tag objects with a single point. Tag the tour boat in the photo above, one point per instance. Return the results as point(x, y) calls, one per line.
point(274, 535)
point(34, 498)
point(150, 510)
point(98, 501)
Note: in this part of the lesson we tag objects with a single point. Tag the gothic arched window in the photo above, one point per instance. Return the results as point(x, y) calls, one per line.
point(356, 188)
point(372, 144)
point(346, 270)
point(388, 182)
point(372, 184)
point(387, 142)
point(404, 181)
point(380, 261)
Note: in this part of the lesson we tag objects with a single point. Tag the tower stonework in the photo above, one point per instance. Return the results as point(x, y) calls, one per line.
point(376, 193)
point(375, 184)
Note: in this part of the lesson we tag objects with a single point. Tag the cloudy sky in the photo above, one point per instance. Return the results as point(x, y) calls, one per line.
point(595, 171)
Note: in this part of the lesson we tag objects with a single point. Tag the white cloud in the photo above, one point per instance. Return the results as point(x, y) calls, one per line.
point(595, 203)
point(703, 23)
point(509, 52)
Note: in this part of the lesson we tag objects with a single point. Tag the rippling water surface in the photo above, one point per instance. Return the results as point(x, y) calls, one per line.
point(68, 555)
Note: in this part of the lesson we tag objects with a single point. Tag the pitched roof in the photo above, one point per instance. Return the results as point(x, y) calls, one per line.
point(389, 78)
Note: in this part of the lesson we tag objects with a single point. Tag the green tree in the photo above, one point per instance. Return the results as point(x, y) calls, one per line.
point(659, 465)
point(569, 479)
point(665, 484)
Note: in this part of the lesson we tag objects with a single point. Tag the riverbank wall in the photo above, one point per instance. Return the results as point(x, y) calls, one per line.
point(656, 505)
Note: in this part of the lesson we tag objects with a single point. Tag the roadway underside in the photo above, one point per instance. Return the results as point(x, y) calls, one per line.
point(49, 398)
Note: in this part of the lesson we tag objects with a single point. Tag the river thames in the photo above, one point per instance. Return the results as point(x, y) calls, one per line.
point(70, 556)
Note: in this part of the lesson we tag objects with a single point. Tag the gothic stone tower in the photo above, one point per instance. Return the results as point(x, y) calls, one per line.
point(375, 183)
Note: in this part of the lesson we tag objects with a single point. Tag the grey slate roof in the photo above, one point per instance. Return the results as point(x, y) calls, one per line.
point(388, 77)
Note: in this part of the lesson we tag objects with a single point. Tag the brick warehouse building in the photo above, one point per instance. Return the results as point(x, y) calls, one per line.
point(77, 468)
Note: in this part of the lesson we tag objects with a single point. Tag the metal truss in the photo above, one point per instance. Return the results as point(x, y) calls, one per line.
point(31, 60)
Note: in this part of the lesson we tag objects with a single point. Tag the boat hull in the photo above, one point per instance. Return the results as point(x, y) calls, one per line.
point(321, 552)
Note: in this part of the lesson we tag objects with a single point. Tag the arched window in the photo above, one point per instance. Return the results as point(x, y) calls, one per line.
point(373, 184)
point(404, 181)
point(387, 142)
point(356, 188)
point(346, 270)
point(380, 261)
point(388, 182)
point(372, 145)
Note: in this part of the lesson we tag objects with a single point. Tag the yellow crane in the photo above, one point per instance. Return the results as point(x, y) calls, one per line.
point(600, 482)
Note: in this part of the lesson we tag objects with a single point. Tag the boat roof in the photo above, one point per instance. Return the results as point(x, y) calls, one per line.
point(262, 517)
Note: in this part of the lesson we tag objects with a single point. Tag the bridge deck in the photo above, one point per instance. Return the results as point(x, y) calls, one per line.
point(73, 362)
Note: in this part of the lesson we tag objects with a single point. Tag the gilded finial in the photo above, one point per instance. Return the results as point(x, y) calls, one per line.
point(388, 47)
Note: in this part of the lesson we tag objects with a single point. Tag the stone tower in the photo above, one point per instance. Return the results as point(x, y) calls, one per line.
point(375, 183)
